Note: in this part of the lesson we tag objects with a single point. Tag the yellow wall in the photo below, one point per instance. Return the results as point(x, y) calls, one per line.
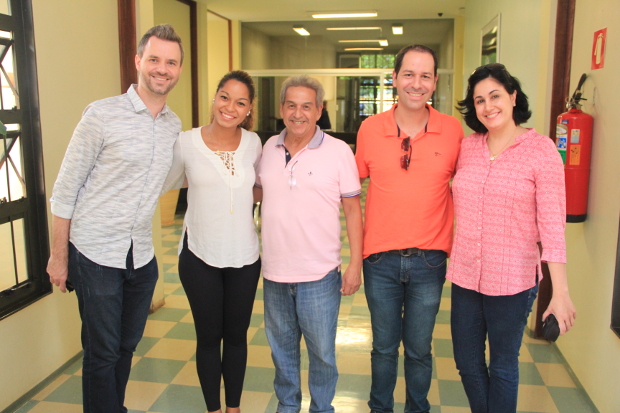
point(524, 28)
point(591, 348)
point(217, 49)
point(73, 71)
point(177, 14)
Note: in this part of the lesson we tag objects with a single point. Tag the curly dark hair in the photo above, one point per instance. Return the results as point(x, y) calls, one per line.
point(497, 71)
point(246, 79)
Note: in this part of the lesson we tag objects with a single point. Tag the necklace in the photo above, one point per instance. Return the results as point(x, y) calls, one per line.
point(493, 157)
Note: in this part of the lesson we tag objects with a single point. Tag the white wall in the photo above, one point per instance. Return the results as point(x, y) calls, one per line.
point(73, 71)
point(591, 348)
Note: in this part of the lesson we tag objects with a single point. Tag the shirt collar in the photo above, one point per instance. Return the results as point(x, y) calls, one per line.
point(432, 126)
point(137, 102)
point(314, 143)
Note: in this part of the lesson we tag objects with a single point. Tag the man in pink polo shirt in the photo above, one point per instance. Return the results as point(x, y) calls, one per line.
point(305, 176)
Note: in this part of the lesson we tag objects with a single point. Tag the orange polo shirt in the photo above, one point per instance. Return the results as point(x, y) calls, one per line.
point(408, 208)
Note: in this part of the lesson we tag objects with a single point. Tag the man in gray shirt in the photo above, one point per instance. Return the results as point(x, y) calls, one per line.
point(103, 203)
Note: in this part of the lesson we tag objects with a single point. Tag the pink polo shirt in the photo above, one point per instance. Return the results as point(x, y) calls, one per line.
point(503, 208)
point(301, 206)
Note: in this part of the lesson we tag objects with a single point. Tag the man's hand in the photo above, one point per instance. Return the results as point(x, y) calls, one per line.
point(351, 280)
point(58, 264)
point(57, 268)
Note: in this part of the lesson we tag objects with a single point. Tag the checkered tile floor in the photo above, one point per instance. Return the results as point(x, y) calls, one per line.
point(163, 378)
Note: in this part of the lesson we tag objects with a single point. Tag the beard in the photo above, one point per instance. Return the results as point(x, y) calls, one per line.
point(153, 88)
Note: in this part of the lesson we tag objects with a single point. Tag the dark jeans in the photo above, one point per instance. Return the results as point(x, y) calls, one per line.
point(403, 295)
point(114, 304)
point(492, 388)
point(221, 300)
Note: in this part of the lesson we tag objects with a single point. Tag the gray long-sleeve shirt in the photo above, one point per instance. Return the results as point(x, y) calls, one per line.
point(111, 177)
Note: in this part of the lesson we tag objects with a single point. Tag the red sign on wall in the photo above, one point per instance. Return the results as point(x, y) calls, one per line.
point(598, 49)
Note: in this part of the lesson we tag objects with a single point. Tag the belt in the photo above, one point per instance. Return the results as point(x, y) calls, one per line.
point(405, 252)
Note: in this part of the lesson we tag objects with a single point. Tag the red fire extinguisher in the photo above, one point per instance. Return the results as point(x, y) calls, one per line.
point(574, 142)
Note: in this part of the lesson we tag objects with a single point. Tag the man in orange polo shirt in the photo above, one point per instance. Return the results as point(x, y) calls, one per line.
point(409, 153)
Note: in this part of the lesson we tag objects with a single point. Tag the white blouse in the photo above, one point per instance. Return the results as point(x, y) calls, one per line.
point(219, 220)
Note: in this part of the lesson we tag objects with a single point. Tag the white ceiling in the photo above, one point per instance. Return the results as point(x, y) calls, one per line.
point(429, 32)
point(296, 10)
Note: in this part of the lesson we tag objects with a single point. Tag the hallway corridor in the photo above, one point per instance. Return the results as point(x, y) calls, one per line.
point(164, 379)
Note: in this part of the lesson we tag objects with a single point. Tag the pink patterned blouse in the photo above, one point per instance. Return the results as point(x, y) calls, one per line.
point(503, 208)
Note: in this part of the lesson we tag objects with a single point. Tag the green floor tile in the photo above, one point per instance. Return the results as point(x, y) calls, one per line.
point(544, 353)
point(571, 400)
point(260, 338)
point(172, 278)
point(442, 347)
point(68, 392)
point(170, 244)
point(145, 345)
point(528, 374)
point(451, 393)
point(443, 317)
point(177, 398)
point(259, 379)
point(347, 299)
point(259, 294)
point(27, 407)
point(168, 266)
point(179, 291)
point(446, 292)
point(257, 320)
point(434, 409)
point(136, 411)
point(156, 370)
point(182, 331)
point(168, 314)
point(355, 386)
point(358, 312)
point(73, 368)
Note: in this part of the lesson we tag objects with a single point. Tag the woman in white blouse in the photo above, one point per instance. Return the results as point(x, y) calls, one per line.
point(219, 263)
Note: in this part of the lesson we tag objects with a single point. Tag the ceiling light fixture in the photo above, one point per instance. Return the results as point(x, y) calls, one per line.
point(397, 28)
point(349, 49)
point(382, 42)
point(301, 31)
point(337, 15)
point(355, 28)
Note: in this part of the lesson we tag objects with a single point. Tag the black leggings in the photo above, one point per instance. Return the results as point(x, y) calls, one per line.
point(221, 300)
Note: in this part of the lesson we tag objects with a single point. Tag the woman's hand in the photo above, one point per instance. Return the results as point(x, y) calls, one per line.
point(561, 305)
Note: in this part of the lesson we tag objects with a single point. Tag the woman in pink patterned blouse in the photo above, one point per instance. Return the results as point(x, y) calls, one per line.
point(509, 194)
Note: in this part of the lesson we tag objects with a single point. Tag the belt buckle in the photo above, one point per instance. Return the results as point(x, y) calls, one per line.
point(408, 252)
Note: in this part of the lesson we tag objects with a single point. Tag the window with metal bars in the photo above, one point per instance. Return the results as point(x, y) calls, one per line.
point(24, 245)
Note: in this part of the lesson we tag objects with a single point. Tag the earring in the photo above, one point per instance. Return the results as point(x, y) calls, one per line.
point(213, 101)
point(248, 114)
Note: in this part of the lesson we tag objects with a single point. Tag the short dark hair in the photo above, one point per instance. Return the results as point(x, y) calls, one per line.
point(413, 48)
point(163, 32)
point(520, 113)
point(246, 79)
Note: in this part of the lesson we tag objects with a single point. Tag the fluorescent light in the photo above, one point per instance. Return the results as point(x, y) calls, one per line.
point(348, 49)
point(301, 31)
point(397, 29)
point(337, 15)
point(355, 28)
point(382, 42)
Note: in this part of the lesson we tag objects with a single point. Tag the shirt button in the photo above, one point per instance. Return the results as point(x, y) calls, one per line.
point(478, 244)
point(478, 260)
point(479, 227)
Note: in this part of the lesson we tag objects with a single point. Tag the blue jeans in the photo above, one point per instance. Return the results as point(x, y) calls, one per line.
point(114, 304)
point(403, 295)
point(311, 309)
point(502, 318)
